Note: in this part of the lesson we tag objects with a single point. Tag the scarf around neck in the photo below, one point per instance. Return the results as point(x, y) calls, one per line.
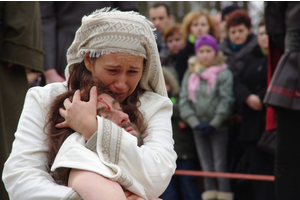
point(191, 38)
point(209, 75)
point(237, 47)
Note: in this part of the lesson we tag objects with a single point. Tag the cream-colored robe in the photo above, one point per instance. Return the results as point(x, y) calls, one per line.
point(103, 156)
point(26, 175)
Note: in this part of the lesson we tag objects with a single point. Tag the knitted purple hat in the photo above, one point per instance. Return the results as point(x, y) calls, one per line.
point(206, 40)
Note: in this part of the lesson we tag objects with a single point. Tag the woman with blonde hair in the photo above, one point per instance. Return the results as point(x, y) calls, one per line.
point(194, 25)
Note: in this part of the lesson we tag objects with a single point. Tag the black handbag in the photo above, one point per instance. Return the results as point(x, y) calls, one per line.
point(267, 142)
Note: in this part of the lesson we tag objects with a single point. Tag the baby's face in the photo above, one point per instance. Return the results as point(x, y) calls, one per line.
point(110, 109)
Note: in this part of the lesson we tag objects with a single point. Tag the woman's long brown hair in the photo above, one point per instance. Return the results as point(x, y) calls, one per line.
point(82, 79)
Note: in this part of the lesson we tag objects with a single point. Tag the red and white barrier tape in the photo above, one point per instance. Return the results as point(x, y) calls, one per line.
point(226, 175)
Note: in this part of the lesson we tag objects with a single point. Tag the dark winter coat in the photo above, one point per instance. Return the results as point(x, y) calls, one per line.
point(250, 68)
point(182, 59)
point(282, 25)
point(20, 44)
point(252, 80)
point(236, 59)
point(169, 61)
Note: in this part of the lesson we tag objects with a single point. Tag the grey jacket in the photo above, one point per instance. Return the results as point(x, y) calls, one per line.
point(213, 108)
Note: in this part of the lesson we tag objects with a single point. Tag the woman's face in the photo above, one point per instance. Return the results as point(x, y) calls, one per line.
point(262, 37)
point(238, 34)
point(175, 43)
point(206, 55)
point(120, 72)
point(199, 26)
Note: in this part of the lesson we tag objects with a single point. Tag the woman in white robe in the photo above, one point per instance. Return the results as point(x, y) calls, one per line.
point(103, 33)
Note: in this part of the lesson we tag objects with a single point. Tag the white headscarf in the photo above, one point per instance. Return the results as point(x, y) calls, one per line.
point(105, 31)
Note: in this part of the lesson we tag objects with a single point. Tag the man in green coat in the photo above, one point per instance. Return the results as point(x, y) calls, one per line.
point(20, 51)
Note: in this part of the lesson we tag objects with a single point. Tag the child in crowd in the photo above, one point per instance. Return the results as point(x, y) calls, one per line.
point(205, 103)
point(175, 42)
point(174, 38)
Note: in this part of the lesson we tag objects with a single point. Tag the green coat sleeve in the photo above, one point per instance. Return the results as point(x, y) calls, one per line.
point(225, 90)
point(22, 34)
point(186, 110)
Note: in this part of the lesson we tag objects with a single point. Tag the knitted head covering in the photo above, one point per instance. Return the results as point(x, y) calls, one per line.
point(106, 31)
point(206, 40)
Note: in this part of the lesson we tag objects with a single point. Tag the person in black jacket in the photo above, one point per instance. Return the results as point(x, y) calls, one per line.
point(282, 23)
point(248, 64)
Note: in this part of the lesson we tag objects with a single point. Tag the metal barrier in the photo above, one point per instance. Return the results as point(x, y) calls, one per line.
point(226, 175)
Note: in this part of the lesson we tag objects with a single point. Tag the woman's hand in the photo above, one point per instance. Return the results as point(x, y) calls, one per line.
point(253, 101)
point(80, 115)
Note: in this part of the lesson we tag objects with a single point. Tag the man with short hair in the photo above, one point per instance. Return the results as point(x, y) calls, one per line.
point(160, 15)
